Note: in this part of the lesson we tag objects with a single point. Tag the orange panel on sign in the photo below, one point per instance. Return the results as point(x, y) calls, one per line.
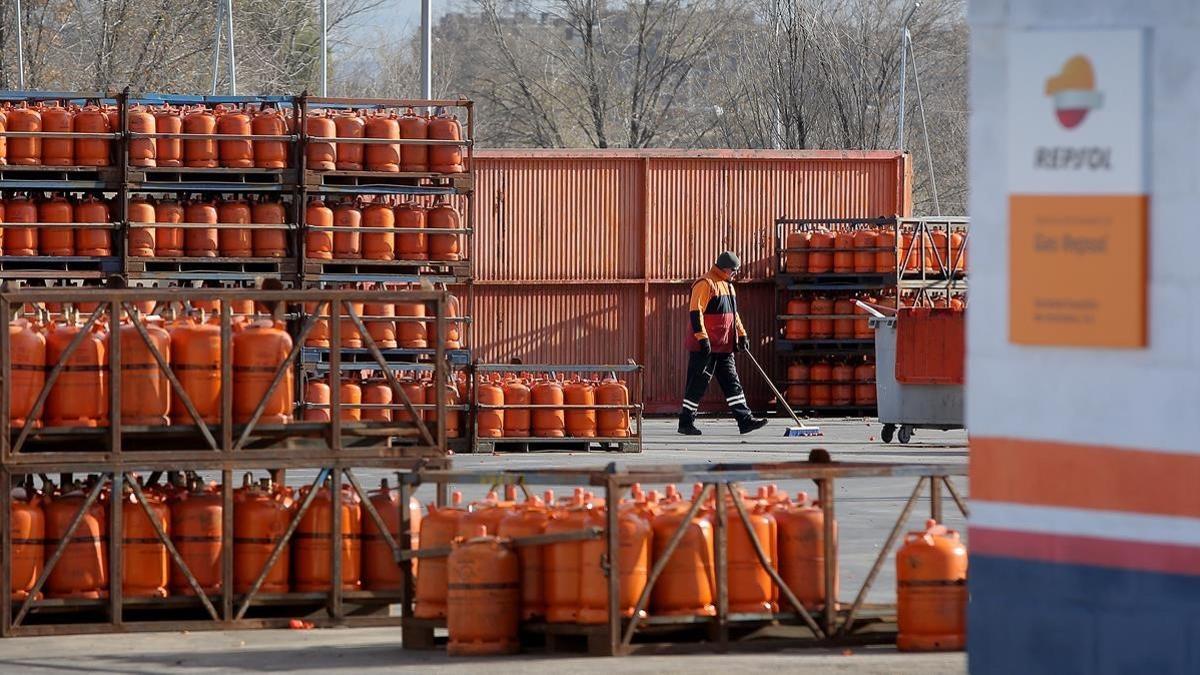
point(1077, 270)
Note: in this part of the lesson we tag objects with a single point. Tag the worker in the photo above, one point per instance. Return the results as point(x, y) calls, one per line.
point(717, 333)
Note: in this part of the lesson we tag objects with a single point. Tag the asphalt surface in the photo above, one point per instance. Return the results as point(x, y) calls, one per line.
point(866, 511)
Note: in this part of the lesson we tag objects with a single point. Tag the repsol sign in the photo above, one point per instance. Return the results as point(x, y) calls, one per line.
point(1064, 158)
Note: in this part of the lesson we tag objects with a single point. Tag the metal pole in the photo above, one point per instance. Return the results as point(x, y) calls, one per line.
point(426, 49)
point(232, 60)
point(937, 206)
point(217, 47)
point(903, 63)
point(324, 48)
point(20, 50)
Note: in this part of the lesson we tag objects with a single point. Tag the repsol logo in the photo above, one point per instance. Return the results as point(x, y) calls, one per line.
point(1073, 159)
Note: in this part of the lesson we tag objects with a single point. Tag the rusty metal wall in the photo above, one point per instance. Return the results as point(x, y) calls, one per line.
point(587, 256)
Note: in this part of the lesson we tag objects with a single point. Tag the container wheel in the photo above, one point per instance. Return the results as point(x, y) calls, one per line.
point(889, 430)
point(906, 433)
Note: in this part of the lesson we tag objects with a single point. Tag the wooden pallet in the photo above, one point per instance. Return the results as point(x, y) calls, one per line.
point(82, 177)
point(58, 267)
point(392, 182)
point(818, 347)
point(502, 445)
point(222, 267)
point(193, 178)
point(343, 267)
point(836, 281)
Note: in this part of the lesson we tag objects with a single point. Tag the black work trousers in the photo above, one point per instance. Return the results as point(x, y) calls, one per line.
point(700, 370)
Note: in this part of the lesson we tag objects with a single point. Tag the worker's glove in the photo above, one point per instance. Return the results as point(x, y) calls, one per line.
point(742, 344)
point(705, 346)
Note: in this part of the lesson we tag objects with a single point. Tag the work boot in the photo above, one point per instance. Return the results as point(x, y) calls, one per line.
point(687, 425)
point(751, 424)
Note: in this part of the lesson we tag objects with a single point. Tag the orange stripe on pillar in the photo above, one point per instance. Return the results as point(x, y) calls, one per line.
point(1084, 476)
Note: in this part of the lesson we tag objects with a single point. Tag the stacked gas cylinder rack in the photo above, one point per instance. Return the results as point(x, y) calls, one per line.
point(548, 407)
point(501, 573)
point(388, 189)
point(825, 347)
point(138, 398)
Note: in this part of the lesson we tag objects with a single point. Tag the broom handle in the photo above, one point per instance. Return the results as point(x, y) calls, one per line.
point(771, 384)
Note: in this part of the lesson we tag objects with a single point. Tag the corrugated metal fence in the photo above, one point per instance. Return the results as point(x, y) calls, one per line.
point(587, 256)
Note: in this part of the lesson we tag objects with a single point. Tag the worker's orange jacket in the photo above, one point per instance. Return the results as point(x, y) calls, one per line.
point(712, 310)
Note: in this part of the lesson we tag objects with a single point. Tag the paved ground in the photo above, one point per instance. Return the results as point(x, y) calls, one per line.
point(866, 511)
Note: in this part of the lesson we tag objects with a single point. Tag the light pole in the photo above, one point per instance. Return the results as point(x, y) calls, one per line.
point(426, 49)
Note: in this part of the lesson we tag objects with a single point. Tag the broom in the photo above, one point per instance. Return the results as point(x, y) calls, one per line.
point(801, 429)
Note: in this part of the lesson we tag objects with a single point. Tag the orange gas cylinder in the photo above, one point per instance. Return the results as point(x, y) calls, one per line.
point(820, 256)
point(146, 569)
point(201, 242)
point(548, 422)
point(443, 247)
point(142, 151)
point(141, 239)
point(516, 420)
point(196, 534)
point(958, 252)
point(169, 151)
point(885, 260)
point(634, 536)
point(381, 330)
point(414, 245)
point(349, 155)
point(312, 569)
point(797, 391)
point(24, 151)
point(819, 391)
point(28, 541)
point(843, 385)
point(320, 155)
point(484, 598)
point(910, 254)
point(802, 551)
point(750, 586)
point(347, 244)
point(319, 335)
point(864, 384)
point(145, 390)
point(453, 419)
point(380, 246)
point(351, 336)
point(57, 151)
point(269, 154)
point(411, 334)
point(687, 583)
point(20, 240)
point(561, 562)
point(27, 352)
point(200, 153)
point(196, 361)
point(234, 242)
point(438, 529)
point(318, 244)
point(260, 517)
point(580, 422)
point(862, 327)
point(797, 329)
point(821, 329)
point(383, 156)
point(377, 392)
point(79, 397)
point(351, 398)
point(612, 423)
point(56, 241)
point(453, 310)
point(3, 139)
point(414, 127)
point(864, 259)
point(258, 351)
point(113, 113)
point(529, 520)
point(268, 243)
point(937, 251)
point(92, 151)
point(235, 153)
point(843, 253)
point(931, 590)
point(487, 513)
point(843, 329)
point(168, 241)
point(489, 422)
point(416, 393)
point(91, 240)
point(445, 158)
point(316, 392)
point(82, 571)
point(380, 571)
point(796, 261)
